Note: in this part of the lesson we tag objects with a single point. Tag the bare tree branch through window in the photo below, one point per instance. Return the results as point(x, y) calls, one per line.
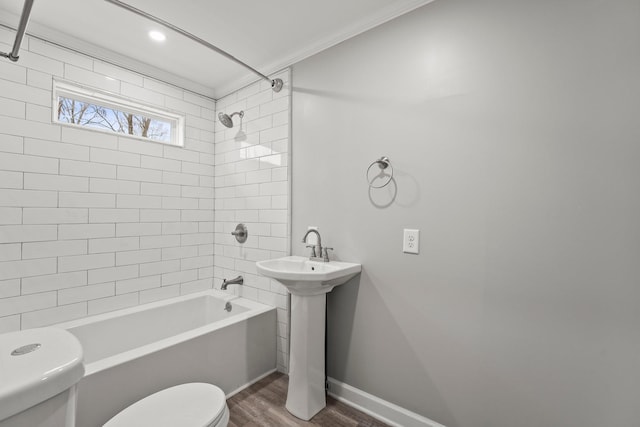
point(100, 117)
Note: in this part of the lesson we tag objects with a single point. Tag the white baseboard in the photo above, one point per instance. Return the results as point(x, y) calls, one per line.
point(382, 410)
point(250, 383)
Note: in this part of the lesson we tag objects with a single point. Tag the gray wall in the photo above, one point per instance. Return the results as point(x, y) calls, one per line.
point(513, 128)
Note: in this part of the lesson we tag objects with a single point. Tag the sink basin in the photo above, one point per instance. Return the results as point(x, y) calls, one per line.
point(302, 276)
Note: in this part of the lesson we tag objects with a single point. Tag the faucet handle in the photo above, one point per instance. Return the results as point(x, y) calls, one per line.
point(313, 250)
point(325, 253)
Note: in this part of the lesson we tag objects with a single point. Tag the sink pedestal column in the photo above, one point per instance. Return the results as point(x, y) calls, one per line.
point(306, 394)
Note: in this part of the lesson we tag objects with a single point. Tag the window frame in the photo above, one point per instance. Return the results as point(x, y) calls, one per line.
point(113, 101)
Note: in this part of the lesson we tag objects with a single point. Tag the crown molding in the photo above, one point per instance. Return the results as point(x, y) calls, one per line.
point(368, 22)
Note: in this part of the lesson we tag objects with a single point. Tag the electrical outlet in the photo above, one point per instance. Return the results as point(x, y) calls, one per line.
point(411, 241)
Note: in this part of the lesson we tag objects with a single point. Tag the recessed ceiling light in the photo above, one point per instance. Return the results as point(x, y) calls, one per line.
point(157, 36)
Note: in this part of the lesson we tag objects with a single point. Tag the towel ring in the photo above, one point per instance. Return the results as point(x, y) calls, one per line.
point(383, 163)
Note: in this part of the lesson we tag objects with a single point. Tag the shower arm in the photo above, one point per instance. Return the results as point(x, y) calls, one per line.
point(22, 28)
point(276, 84)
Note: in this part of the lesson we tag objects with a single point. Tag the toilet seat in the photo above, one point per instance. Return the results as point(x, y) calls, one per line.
point(185, 405)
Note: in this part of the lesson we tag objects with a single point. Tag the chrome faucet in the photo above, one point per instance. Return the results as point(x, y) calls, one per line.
point(318, 253)
point(237, 281)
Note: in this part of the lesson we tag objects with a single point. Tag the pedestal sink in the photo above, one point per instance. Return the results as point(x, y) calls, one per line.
point(308, 282)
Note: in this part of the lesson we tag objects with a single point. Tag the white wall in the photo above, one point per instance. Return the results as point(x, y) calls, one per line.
point(252, 187)
point(92, 222)
point(513, 129)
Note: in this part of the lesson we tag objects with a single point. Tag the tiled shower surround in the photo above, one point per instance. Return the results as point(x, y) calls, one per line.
point(92, 222)
point(252, 187)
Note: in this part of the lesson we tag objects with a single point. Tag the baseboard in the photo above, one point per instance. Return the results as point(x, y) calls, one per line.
point(382, 410)
point(250, 383)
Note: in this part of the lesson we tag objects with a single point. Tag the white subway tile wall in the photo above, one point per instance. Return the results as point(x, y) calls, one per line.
point(252, 187)
point(92, 222)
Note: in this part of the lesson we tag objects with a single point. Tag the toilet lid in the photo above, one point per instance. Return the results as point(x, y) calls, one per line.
point(188, 405)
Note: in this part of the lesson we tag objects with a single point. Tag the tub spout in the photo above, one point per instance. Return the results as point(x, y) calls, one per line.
point(237, 281)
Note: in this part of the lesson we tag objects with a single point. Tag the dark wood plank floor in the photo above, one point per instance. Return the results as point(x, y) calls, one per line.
point(262, 404)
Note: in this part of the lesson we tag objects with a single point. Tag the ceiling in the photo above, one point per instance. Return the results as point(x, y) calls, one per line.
point(267, 35)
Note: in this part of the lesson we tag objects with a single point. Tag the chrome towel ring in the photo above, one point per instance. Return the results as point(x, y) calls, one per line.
point(383, 163)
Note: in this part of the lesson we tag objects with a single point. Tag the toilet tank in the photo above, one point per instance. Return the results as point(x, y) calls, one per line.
point(39, 370)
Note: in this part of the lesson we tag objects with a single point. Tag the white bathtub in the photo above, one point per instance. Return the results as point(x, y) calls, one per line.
point(132, 353)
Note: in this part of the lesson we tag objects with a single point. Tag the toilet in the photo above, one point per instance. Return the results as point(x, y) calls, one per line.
point(38, 388)
point(39, 372)
point(188, 405)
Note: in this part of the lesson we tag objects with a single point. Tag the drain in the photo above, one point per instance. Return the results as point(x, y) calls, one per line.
point(227, 306)
point(21, 351)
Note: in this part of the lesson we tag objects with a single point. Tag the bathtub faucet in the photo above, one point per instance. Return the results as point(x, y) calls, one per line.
point(237, 281)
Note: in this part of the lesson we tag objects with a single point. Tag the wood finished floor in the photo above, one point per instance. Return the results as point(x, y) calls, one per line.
point(262, 404)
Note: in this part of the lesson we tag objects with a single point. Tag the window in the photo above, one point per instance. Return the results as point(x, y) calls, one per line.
point(89, 108)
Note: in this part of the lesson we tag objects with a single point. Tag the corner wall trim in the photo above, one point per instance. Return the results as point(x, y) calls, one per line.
point(386, 412)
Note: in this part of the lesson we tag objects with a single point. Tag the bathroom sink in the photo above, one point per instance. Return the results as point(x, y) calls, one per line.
point(308, 282)
point(302, 276)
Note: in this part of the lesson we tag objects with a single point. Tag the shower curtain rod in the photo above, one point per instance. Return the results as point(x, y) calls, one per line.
point(22, 28)
point(276, 84)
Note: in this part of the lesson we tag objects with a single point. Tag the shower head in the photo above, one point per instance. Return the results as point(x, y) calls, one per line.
point(227, 119)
